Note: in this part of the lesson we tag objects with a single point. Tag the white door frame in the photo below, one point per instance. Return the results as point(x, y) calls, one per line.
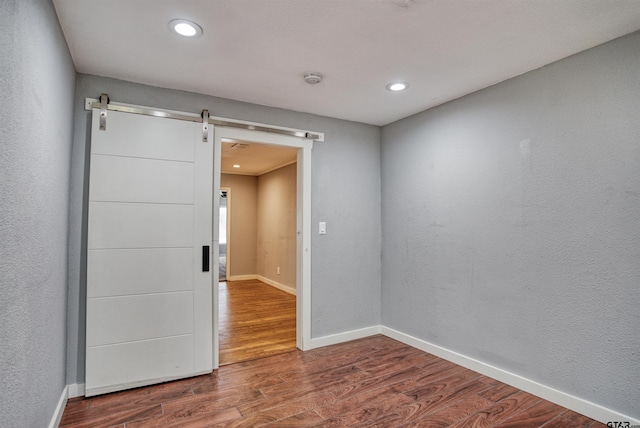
point(303, 230)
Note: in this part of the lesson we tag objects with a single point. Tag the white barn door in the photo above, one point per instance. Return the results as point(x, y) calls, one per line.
point(149, 294)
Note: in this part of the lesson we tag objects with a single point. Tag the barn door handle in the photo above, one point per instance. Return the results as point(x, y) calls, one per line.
point(205, 258)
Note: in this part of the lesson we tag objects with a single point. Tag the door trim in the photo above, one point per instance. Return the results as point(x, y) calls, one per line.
point(303, 226)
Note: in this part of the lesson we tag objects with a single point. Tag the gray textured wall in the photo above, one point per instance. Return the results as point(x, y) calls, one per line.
point(345, 194)
point(511, 225)
point(37, 83)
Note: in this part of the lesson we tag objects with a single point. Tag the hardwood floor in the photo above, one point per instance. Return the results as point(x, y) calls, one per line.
point(369, 382)
point(256, 320)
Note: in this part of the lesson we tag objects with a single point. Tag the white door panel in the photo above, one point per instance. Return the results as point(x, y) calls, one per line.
point(144, 137)
point(129, 225)
point(139, 271)
point(139, 317)
point(149, 302)
point(132, 364)
point(142, 180)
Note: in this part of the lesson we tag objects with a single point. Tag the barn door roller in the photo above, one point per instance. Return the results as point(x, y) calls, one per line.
point(104, 103)
point(205, 125)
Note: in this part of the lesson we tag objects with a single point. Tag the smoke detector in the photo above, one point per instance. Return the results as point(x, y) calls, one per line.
point(404, 3)
point(313, 78)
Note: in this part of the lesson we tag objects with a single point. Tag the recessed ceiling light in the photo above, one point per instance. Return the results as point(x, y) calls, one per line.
point(397, 86)
point(185, 28)
point(236, 166)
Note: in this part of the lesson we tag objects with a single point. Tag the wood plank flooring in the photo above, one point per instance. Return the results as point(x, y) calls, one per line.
point(368, 382)
point(256, 320)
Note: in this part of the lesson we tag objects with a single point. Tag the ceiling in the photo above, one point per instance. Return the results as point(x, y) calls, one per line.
point(258, 50)
point(254, 158)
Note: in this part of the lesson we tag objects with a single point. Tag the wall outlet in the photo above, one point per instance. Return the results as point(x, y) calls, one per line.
point(278, 270)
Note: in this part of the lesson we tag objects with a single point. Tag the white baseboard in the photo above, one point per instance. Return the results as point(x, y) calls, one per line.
point(344, 337)
point(263, 279)
point(57, 414)
point(76, 390)
point(277, 285)
point(587, 408)
point(242, 277)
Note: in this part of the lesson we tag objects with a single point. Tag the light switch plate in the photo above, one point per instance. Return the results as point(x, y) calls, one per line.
point(322, 228)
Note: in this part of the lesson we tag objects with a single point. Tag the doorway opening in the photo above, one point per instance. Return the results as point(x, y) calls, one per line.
point(223, 225)
point(265, 248)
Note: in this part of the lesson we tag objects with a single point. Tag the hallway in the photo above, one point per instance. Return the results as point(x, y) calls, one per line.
point(256, 320)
